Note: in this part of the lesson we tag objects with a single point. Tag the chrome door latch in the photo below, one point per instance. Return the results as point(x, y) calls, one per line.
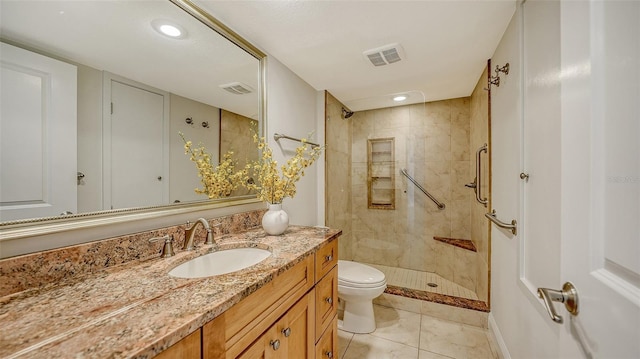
point(568, 295)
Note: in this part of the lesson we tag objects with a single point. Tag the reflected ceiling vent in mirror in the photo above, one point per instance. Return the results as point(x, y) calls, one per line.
point(237, 88)
point(385, 55)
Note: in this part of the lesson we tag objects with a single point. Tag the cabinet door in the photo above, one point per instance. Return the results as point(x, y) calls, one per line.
point(299, 328)
point(289, 337)
point(266, 347)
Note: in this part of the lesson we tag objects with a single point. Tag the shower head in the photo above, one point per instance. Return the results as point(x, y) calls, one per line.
point(346, 113)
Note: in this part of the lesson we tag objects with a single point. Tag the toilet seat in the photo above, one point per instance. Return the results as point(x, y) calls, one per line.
point(356, 275)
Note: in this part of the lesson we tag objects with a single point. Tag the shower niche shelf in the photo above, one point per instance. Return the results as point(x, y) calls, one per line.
point(381, 192)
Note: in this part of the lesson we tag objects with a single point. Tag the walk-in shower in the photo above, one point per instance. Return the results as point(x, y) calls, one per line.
point(432, 241)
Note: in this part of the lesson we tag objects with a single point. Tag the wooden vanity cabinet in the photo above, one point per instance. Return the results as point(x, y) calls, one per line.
point(286, 318)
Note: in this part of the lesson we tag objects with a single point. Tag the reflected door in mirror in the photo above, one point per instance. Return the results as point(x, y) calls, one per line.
point(38, 135)
point(138, 175)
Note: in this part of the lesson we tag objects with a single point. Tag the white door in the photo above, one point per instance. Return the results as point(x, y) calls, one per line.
point(38, 162)
point(600, 76)
point(135, 146)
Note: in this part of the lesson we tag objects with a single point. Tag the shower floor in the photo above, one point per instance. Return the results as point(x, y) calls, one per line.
point(413, 279)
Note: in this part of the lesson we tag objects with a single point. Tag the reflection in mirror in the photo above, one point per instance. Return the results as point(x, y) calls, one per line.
point(93, 98)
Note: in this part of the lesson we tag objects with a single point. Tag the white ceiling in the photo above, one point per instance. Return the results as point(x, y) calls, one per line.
point(446, 42)
point(117, 36)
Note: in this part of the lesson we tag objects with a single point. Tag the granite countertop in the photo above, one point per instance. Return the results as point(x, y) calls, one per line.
point(137, 309)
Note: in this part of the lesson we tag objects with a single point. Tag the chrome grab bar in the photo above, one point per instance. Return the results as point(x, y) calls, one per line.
point(440, 205)
point(278, 136)
point(492, 217)
point(478, 185)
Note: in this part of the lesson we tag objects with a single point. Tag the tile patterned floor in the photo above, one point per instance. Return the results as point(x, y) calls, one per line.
point(405, 335)
point(413, 279)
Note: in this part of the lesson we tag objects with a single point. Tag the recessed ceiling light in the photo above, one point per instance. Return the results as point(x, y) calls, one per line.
point(399, 98)
point(168, 28)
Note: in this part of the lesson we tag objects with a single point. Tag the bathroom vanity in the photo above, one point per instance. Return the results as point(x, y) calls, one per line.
point(284, 306)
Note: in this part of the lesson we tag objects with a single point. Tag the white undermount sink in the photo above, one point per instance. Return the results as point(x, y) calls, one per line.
point(220, 262)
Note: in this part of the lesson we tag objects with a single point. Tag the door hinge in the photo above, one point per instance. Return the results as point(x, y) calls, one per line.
point(112, 108)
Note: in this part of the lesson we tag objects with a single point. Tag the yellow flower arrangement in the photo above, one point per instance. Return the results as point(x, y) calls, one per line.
point(272, 184)
point(218, 181)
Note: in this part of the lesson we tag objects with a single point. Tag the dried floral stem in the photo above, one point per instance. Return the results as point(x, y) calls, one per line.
point(273, 184)
point(217, 181)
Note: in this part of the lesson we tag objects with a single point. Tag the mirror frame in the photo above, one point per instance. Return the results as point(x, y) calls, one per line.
point(47, 225)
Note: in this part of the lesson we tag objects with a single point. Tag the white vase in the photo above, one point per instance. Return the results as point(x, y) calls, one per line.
point(275, 221)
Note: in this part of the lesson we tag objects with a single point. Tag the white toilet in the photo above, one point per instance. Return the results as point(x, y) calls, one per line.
point(358, 285)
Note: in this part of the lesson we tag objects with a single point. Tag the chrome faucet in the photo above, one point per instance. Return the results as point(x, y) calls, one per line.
point(189, 232)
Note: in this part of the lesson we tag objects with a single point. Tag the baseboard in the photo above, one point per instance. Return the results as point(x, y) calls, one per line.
point(494, 332)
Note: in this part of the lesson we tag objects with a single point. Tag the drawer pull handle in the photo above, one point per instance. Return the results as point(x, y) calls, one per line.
point(275, 344)
point(286, 332)
point(329, 300)
point(329, 355)
point(328, 258)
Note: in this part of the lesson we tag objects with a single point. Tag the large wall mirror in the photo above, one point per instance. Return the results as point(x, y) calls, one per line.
point(93, 97)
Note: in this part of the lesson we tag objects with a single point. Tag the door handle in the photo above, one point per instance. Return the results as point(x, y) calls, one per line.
point(568, 295)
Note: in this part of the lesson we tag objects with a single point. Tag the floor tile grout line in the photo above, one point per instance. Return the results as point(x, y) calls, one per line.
point(347, 348)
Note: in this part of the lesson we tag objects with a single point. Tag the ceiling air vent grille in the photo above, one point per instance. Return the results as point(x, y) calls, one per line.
point(385, 55)
point(237, 88)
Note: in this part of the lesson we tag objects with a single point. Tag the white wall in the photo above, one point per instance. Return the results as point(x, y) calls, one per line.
point(183, 172)
point(522, 328)
point(292, 107)
point(90, 139)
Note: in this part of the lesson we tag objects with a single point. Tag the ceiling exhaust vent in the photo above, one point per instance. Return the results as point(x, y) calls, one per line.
point(237, 88)
point(385, 55)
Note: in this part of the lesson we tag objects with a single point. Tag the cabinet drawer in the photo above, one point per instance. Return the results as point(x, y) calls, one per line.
point(326, 301)
point(327, 347)
point(326, 258)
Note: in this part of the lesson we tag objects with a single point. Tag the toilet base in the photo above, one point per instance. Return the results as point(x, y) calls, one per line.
point(358, 317)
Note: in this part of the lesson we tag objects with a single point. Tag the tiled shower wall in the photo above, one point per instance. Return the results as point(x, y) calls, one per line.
point(236, 135)
point(338, 173)
point(432, 143)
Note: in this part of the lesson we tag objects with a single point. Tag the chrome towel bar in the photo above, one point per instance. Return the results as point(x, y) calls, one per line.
point(278, 136)
point(513, 226)
point(440, 205)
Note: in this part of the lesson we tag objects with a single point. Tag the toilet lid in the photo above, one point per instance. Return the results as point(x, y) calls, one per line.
point(359, 275)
